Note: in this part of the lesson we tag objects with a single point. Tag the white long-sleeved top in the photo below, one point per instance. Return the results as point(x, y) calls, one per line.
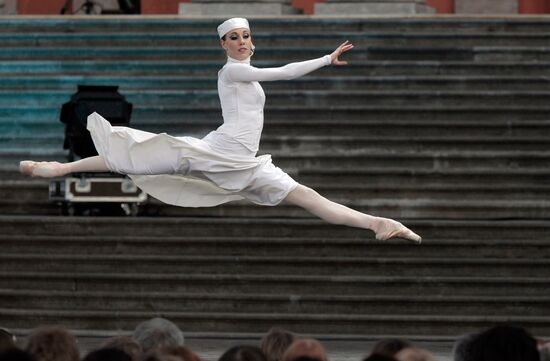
point(242, 98)
point(219, 168)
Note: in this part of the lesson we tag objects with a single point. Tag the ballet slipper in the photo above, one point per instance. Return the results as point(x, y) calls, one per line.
point(48, 170)
point(27, 166)
point(388, 228)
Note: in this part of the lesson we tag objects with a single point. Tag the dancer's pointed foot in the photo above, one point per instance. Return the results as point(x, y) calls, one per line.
point(42, 169)
point(27, 166)
point(388, 228)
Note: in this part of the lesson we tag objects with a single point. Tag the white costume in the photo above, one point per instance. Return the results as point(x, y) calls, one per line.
point(219, 168)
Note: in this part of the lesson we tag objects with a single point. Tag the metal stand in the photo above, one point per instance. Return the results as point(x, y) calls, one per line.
point(89, 7)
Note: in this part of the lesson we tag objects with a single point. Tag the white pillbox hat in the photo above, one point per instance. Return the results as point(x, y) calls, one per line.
point(230, 24)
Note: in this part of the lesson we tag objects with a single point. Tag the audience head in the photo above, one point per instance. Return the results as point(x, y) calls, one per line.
point(53, 343)
point(379, 357)
point(305, 349)
point(502, 343)
point(461, 347)
point(15, 354)
point(126, 344)
point(108, 354)
point(275, 342)
point(156, 333)
point(390, 346)
point(7, 340)
point(182, 352)
point(544, 351)
point(413, 354)
point(243, 353)
point(157, 355)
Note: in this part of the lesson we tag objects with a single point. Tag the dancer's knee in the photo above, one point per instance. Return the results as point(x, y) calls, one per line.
point(303, 196)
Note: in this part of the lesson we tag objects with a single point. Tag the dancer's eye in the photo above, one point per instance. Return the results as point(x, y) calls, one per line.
point(233, 38)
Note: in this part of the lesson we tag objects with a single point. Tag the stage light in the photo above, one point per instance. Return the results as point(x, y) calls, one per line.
point(107, 101)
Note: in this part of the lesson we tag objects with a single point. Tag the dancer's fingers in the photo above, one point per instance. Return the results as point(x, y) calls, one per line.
point(411, 236)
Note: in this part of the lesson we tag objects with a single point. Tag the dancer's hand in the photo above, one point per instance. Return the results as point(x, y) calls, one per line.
point(386, 228)
point(346, 45)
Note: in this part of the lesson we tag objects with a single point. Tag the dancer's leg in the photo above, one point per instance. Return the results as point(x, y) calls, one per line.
point(335, 213)
point(56, 169)
point(90, 164)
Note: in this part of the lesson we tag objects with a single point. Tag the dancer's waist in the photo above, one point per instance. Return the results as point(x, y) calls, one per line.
point(222, 142)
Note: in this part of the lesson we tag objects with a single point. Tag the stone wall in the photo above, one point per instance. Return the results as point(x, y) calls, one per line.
point(8, 7)
point(486, 6)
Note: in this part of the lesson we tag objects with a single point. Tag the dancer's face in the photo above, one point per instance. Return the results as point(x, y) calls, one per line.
point(238, 43)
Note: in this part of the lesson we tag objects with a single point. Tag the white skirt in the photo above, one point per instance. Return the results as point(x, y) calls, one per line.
point(186, 171)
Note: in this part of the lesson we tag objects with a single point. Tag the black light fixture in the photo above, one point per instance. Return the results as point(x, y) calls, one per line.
point(107, 101)
point(90, 7)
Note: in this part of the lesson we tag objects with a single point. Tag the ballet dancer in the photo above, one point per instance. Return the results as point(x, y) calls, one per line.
point(222, 166)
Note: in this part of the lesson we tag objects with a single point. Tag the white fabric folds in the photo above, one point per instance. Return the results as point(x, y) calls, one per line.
point(186, 171)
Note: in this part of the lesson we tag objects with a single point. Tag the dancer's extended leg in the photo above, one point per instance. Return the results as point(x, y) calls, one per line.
point(56, 169)
point(335, 213)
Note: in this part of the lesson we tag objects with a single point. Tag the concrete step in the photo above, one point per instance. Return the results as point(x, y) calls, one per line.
point(271, 39)
point(312, 151)
point(346, 128)
point(204, 119)
point(309, 98)
point(411, 53)
point(336, 266)
point(354, 83)
point(370, 68)
point(395, 177)
point(26, 193)
point(277, 284)
point(267, 245)
point(266, 303)
point(331, 152)
point(395, 24)
point(259, 322)
point(404, 207)
point(280, 227)
point(269, 265)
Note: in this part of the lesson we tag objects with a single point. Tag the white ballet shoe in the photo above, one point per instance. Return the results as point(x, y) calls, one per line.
point(388, 228)
point(27, 166)
point(41, 169)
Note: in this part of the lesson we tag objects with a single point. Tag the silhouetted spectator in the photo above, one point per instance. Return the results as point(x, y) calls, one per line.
point(156, 355)
point(544, 351)
point(14, 354)
point(390, 346)
point(53, 343)
point(108, 354)
point(501, 343)
point(184, 353)
point(156, 333)
point(307, 348)
point(461, 347)
point(275, 342)
point(379, 357)
point(414, 354)
point(7, 340)
point(243, 353)
point(126, 344)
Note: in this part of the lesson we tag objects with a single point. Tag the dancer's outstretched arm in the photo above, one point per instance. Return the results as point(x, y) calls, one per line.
point(335, 213)
point(242, 72)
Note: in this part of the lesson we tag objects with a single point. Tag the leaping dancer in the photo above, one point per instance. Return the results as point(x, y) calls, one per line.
point(222, 166)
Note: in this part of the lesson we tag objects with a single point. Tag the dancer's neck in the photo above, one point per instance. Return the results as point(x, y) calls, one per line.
point(233, 60)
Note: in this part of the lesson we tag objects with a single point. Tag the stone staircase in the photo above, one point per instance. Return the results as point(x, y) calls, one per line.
point(440, 122)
